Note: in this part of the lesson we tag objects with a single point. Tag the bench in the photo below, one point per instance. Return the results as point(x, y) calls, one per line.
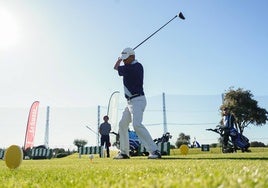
point(2, 154)
point(163, 147)
point(41, 153)
point(90, 150)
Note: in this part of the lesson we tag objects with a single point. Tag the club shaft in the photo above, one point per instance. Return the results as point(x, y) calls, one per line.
point(91, 130)
point(155, 32)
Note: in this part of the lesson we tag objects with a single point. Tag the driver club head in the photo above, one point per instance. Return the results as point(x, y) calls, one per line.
point(181, 16)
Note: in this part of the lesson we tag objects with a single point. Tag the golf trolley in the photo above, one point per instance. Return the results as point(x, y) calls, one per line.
point(236, 141)
point(164, 138)
point(134, 142)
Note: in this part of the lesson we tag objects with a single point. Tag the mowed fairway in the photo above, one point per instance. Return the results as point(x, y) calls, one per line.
point(197, 169)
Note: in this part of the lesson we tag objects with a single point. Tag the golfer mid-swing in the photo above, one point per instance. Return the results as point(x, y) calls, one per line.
point(132, 72)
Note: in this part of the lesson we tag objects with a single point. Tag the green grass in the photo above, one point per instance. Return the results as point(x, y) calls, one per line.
point(197, 169)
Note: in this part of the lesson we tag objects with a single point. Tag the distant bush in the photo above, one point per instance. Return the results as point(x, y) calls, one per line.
point(257, 144)
point(61, 155)
point(213, 145)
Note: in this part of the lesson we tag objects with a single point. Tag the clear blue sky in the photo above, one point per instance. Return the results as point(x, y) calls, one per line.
point(62, 53)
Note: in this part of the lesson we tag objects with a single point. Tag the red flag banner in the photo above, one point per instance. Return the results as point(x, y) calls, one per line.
point(31, 126)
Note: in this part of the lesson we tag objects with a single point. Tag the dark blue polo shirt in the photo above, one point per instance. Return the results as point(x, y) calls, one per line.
point(132, 78)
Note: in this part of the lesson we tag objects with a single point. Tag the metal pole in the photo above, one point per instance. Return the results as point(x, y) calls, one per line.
point(164, 114)
point(47, 128)
point(98, 135)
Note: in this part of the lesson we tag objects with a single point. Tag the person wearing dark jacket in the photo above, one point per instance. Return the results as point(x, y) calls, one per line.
point(228, 123)
point(104, 131)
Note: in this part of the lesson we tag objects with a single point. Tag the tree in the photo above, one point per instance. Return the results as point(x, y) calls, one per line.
point(257, 144)
point(183, 139)
point(79, 143)
point(244, 108)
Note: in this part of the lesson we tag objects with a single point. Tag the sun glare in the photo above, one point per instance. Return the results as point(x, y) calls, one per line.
point(8, 30)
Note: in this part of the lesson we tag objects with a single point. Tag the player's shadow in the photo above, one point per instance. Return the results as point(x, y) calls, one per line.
point(213, 158)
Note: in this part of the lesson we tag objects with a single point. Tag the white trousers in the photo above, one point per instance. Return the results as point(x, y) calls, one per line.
point(134, 113)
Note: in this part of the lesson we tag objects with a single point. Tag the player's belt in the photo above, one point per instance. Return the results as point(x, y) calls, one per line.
point(133, 96)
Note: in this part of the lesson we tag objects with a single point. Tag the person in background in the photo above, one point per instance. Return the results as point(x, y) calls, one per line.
point(104, 131)
point(227, 123)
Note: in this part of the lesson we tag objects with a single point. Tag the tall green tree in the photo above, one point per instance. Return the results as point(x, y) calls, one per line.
point(245, 109)
point(183, 139)
point(79, 143)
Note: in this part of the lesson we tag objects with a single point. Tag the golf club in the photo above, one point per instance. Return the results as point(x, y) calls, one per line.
point(180, 15)
point(92, 130)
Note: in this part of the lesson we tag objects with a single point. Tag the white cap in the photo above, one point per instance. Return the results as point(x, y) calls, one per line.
point(126, 53)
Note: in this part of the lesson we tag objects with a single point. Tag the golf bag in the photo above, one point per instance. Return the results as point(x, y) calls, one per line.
point(236, 141)
point(134, 143)
point(239, 140)
point(164, 138)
